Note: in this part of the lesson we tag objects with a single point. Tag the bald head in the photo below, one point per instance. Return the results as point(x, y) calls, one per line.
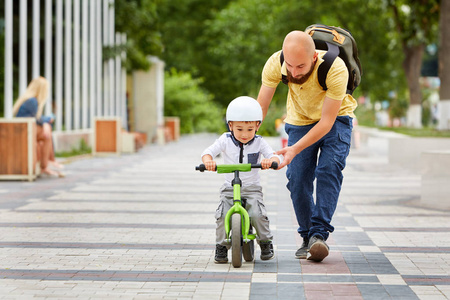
point(298, 43)
point(299, 56)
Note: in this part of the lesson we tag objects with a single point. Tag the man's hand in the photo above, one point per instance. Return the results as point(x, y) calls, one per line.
point(288, 155)
point(330, 111)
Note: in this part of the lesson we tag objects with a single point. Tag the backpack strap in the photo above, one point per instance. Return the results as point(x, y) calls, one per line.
point(283, 77)
point(328, 60)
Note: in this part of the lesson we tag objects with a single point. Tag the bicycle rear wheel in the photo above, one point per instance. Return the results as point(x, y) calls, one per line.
point(236, 238)
point(248, 249)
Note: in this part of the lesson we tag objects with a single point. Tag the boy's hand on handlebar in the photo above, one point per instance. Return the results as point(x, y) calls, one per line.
point(210, 165)
point(266, 163)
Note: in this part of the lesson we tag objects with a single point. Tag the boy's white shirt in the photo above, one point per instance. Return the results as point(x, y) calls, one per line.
point(230, 148)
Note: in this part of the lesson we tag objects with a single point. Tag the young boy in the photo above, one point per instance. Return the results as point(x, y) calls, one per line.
point(242, 145)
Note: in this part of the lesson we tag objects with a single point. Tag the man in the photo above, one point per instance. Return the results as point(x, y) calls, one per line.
point(316, 120)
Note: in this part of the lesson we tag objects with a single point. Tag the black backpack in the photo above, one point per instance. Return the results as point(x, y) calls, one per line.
point(337, 42)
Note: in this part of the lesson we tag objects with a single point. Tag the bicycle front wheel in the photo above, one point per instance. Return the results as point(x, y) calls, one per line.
point(236, 238)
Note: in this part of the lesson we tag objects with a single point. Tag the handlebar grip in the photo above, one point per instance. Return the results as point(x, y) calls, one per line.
point(201, 168)
point(274, 165)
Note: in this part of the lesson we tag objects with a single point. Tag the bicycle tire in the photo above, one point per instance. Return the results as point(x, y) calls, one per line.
point(236, 238)
point(248, 249)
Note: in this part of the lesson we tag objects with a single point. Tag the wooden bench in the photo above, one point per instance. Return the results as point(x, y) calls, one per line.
point(172, 128)
point(18, 149)
point(107, 136)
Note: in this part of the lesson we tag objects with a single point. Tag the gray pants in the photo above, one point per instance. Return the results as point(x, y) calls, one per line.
point(255, 208)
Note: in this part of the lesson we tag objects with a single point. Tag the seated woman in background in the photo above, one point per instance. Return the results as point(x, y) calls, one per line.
point(31, 104)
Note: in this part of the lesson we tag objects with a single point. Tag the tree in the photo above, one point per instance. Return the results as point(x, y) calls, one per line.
point(183, 29)
point(416, 23)
point(139, 20)
point(240, 39)
point(245, 34)
point(2, 69)
point(444, 66)
point(377, 45)
point(228, 44)
point(185, 98)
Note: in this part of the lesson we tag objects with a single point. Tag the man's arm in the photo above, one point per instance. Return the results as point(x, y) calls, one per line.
point(265, 97)
point(330, 111)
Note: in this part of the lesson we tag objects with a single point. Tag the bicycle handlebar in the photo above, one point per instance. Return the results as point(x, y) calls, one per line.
point(201, 168)
point(274, 165)
point(237, 167)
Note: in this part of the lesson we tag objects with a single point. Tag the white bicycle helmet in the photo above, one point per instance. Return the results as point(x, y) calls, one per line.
point(244, 108)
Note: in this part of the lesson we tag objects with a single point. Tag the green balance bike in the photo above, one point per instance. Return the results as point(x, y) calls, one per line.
point(237, 221)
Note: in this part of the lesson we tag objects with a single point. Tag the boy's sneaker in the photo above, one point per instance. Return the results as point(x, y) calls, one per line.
point(303, 250)
point(221, 256)
point(318, 249)
point(266, 250)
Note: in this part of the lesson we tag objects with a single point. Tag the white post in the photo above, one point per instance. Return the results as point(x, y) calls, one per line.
point(118, 83)
point(76, 64)
point(58, 64)
point(8, 104)
point(106, 76)
point(36, 39)
point(84, 65)
point(23, 78)
point(159, 69)
point(414, 116)
point(48, 54)
point(123, 95)
point(92, 61)
point(444, 115)
point(112, 96)
point(68, 67)
point(99, 59)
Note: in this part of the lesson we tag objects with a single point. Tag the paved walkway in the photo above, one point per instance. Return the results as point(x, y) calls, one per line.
point(141, 226)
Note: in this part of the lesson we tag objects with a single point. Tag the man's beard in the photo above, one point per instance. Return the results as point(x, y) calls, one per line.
point(302, 79)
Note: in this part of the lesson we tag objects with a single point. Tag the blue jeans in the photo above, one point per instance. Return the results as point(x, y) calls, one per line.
point(326, 166)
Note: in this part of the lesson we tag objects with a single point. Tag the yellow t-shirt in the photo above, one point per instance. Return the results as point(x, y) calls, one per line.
point(305, 101)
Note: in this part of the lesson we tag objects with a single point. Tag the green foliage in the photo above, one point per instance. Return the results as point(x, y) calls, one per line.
point(81, 150)
point(186, 42)
point(183, 25)
point(427, 106)
point(227, 42)
point(240, 41)
point(2, 72)
point(139, 20)
point(398, 107)
point(424, 132)
point(416, 21)
point(365, 116)
point(378, 47)
point(276, 111)
point(185, 98)
point(244, 34)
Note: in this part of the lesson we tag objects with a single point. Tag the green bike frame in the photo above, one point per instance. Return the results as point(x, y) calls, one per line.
point(237, 203)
